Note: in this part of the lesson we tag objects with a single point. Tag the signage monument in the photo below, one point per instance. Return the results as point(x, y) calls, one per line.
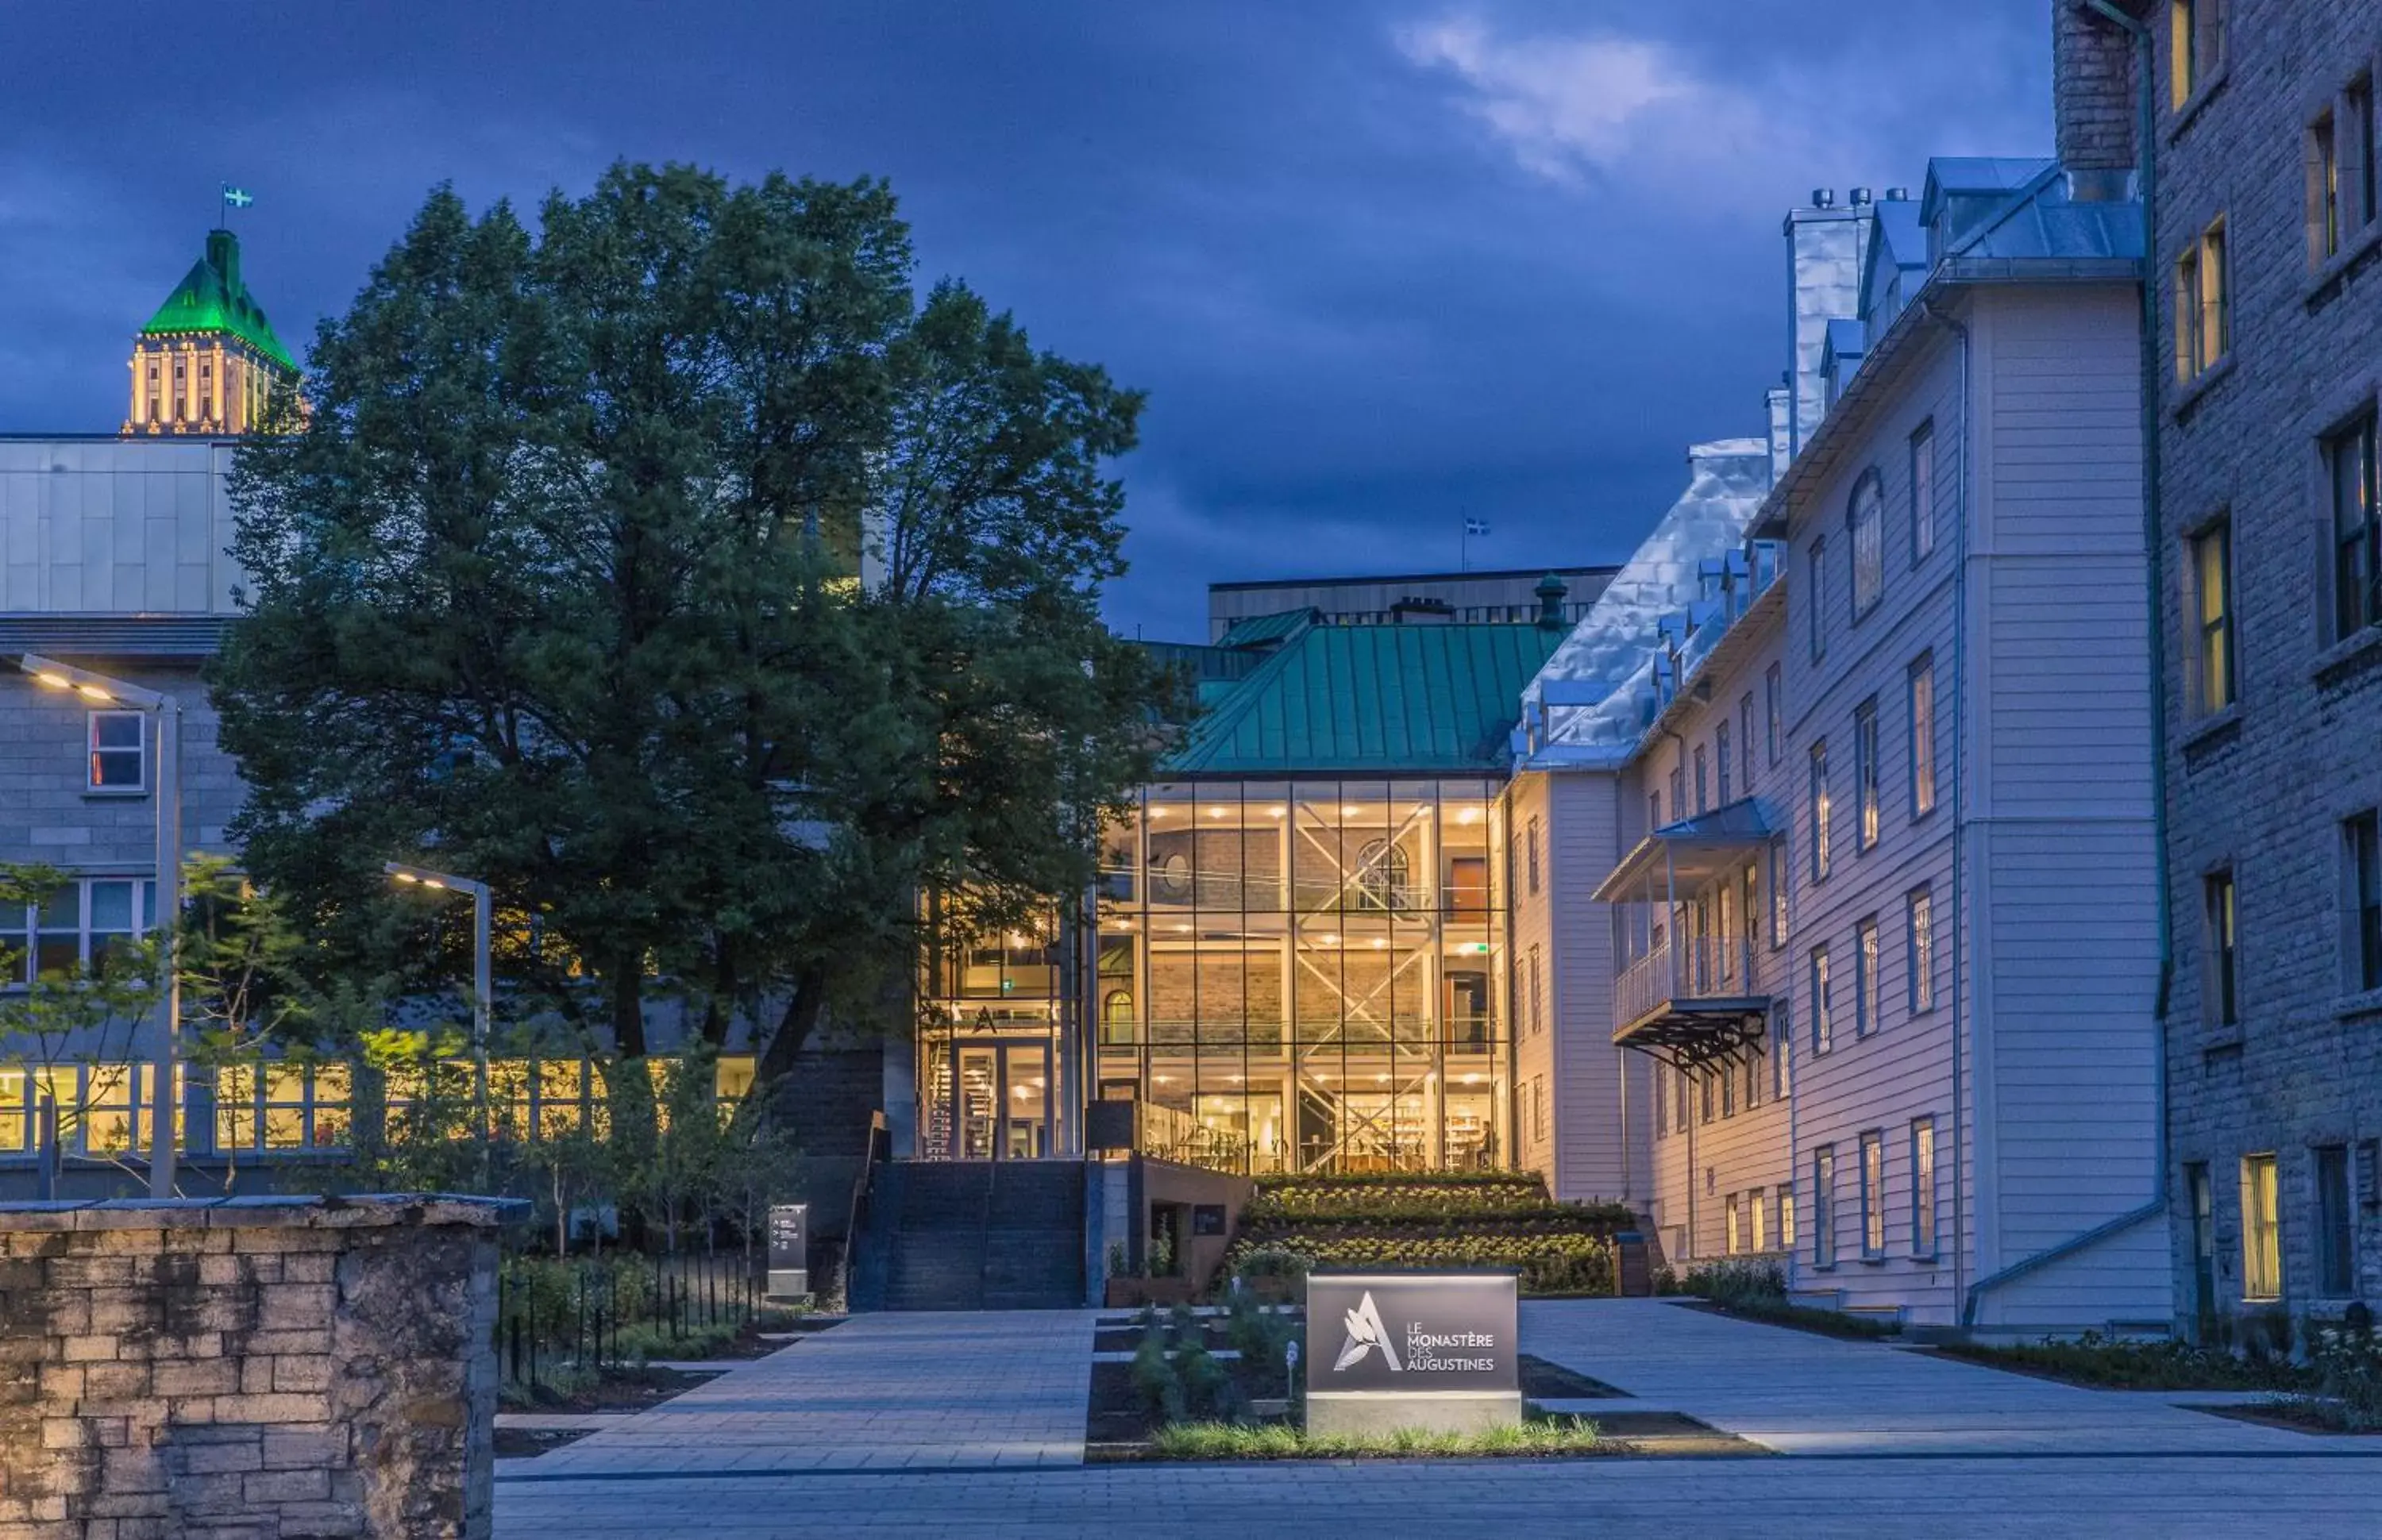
point(790, 1261)
point(1437, 1352)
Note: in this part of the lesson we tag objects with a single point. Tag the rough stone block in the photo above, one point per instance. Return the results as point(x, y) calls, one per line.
point(216, 1376)
point(308, 1372)
point(200, 1460)
point(261, 1487)
point(96, 1349)
point(269, 1409)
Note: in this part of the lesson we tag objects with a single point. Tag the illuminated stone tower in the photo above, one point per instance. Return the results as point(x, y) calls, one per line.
point(208, 360)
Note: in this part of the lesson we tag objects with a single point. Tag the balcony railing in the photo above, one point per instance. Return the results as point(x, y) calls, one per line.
point(1681, 973)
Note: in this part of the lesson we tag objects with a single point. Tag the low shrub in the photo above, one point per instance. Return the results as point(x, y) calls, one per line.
point(2107, 1363)
point(2347, 1361)
point(1549, 1261)
point(1735, 1279)
point(1551, 1435)
point(1274, 1262)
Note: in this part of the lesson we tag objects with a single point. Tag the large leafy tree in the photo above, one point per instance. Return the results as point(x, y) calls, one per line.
point(679, 569)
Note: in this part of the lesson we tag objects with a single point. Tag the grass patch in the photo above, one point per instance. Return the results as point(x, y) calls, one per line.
point(1543, 1436)
point(2109, 1365)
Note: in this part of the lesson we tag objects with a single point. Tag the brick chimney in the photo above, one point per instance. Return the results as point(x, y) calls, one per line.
point(2092, 102)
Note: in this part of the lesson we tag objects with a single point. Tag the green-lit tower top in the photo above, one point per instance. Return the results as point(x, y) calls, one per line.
point(208, 360)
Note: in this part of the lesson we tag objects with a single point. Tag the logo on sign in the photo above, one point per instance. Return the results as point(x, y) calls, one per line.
point(1364, 1334)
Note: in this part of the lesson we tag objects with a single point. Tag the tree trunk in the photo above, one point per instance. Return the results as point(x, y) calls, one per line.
point(628, 1005)
point(795, 1026)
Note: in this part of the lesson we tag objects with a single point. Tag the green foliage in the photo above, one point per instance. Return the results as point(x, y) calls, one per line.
point(1554, 1436)
point(1555, 1262)
point(2112, 1364)
point(1736, 1281)
point(1154, 1379)
point(1457, 1219)
point(1273, 1262)
point(561, 573)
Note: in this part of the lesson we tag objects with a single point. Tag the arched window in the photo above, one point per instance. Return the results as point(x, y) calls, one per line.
point(1381, 875)
point(1867, 518)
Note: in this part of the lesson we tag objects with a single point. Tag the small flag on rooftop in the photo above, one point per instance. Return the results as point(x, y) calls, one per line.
point(237, 196)
point(1475, 526)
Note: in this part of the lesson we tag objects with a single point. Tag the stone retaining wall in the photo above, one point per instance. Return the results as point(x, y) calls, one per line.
point(248, 1368)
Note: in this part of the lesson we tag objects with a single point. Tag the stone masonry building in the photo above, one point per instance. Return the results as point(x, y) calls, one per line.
point(2268, 314)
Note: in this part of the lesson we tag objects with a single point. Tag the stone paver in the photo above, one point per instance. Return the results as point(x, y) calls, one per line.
point(908, 1425)
point(974, 1388)
point(1804, 1394)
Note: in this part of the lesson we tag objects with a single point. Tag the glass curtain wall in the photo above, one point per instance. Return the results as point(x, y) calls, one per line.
point(1308, 975)
point(990, 1041)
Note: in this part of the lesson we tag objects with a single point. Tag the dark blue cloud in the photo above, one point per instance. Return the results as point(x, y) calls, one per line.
point(1377, 265)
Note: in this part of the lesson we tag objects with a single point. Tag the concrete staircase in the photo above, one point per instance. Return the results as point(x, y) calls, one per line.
point(981, 1235)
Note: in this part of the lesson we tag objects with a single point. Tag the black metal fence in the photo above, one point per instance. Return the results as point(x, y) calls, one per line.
point(561, 1320)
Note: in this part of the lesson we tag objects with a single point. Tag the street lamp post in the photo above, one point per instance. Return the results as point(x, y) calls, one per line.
point(167, 713)
point(482, 980)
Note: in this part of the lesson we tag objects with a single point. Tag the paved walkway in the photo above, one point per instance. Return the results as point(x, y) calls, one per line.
point(969, 1389)
point(1800, 1393)
point(971, 1424)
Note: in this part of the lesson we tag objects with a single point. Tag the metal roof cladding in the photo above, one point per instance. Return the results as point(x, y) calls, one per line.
point(212, 297)
point(1257, 630)
point(1373, 699)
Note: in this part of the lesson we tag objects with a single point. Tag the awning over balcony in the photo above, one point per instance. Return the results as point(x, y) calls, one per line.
point(1679, 858)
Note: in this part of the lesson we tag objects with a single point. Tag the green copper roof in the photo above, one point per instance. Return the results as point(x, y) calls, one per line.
point(1373, 699)
point(1257, 630)
point(213, 297)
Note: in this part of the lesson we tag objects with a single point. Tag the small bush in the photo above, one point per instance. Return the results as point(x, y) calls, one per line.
point(1737, 1280)
point(1154, 1379)
point(1551, 1435)
point(2095, 1360)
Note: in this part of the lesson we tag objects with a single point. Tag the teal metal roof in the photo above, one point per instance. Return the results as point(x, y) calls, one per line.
point(1372, 699)
point(1257, 630)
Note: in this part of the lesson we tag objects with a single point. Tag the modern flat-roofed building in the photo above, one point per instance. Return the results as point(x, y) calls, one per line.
point(1420, 598)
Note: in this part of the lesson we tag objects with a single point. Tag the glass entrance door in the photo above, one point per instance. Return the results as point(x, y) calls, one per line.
point(1001, 1100)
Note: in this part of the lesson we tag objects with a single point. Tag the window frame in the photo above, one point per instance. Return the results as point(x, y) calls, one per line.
point(2213, 657)
point(1922, 492)
point(89, 942)
point(1703, 781)
point(1745, 739)
point(1918, 700)
point(1925, 1198)
point(1773, 686)
point(1721, 766)
point(1820, 812)
point(1869, 816)
point(2332, 1203)
point(2195, 49)
point(1866, 960)
point(1822, 985)
point(1818, 568)
point(2203, 323)
point(2361, 893)
point(93, 752)
point(1873, 1194)
point(1865, 541)
point(1824, 1206)
point(2353, 545)
point(1919, 941)
point(1781, 890)
point(2261, 1231)
point(2220, 902)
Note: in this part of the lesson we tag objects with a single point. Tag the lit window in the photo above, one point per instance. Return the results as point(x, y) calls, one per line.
point(1533, 850)
point(1922, 950)
point(1703, 779)
point(1778, 891)
point(2211, 653)
point(1922, 492)
point(2356, 528)
point(2341, 187)
point(1923, 1187)
point(1734, 1241)
point(1922, 737)
point(1873, 1194)
point(2262, 1249)
point(1820, 812)
point(1823, 1003)
point(1868, 527)
point(1865, 773)
point(1757, 1215)
point(1787, 1215)
point(118, 751)
point(2195, 45)
point(1865, 978)
point(2201, 319)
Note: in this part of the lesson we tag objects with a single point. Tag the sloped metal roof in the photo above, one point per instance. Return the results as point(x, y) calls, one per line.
point(1372, 699)
point(1257, 630)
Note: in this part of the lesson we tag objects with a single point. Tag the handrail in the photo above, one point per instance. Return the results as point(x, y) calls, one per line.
point(857, 1213)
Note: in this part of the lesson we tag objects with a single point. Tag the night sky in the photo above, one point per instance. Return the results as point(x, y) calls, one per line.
point(1379, 266)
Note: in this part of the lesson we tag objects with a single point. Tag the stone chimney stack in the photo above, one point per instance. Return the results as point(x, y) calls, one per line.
point(2092, 101)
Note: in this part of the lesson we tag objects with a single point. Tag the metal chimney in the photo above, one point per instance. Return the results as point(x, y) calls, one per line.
point(1859, 198)
point(1824, 198)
